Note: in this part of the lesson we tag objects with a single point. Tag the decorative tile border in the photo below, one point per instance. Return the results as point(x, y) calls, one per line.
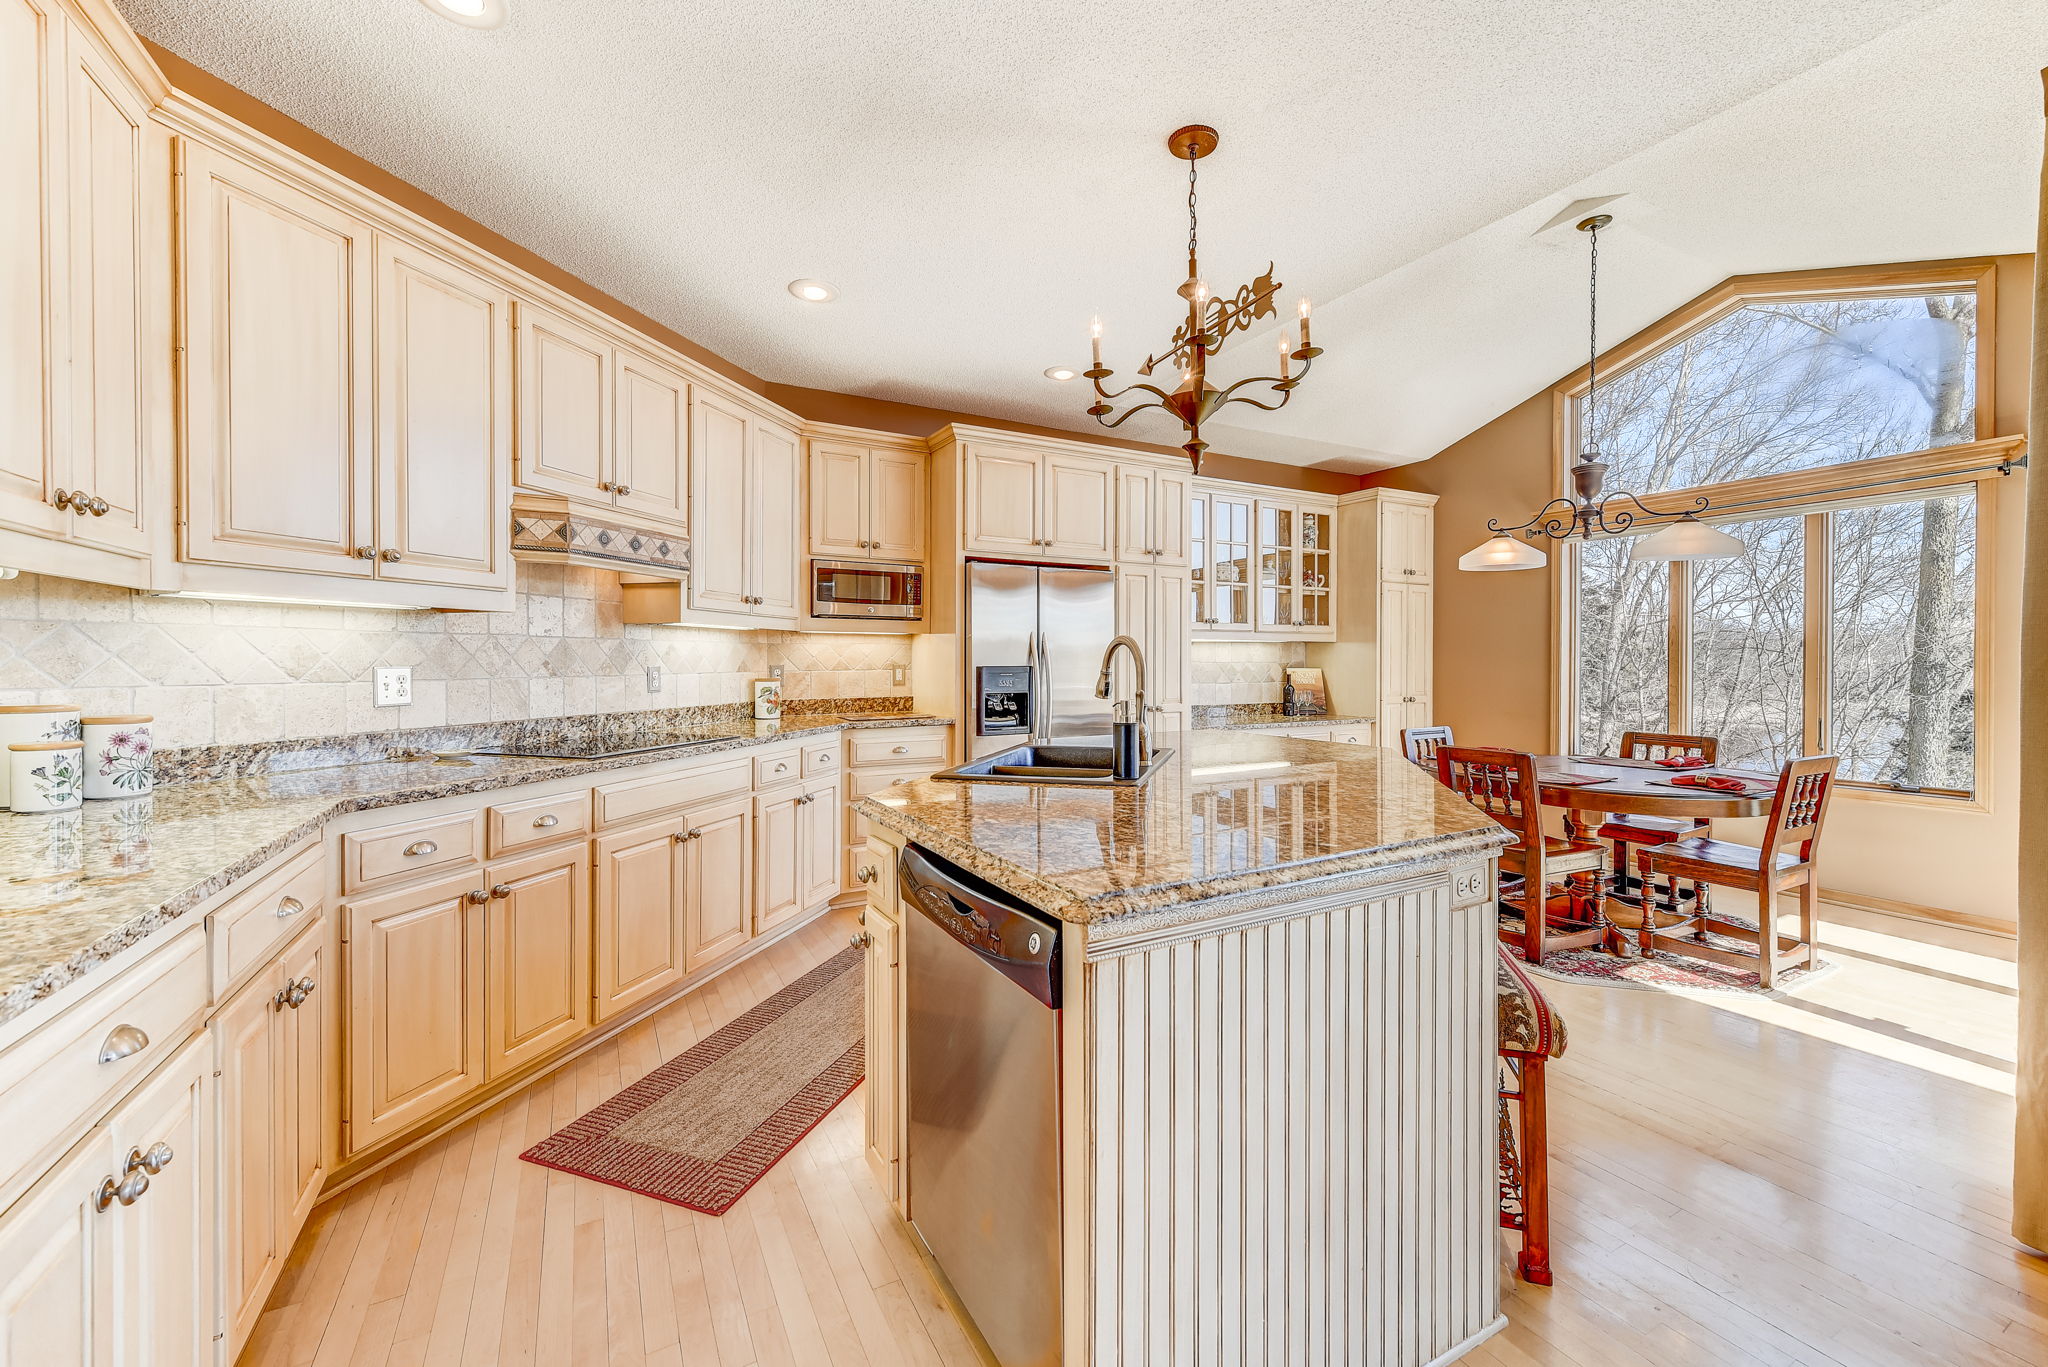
point(575, 534)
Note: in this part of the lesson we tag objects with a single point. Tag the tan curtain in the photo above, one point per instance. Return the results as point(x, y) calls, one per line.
point(2030, 1158)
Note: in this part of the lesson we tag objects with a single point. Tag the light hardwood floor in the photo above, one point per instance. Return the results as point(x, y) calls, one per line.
point(1820, 1181)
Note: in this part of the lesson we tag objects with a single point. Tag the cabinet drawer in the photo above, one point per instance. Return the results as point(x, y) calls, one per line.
point(635, 798)
point(276, 906)
point(866, 783)
point(821, 758)
point(1352, 735)
point(385, 854)
point(783, 767)
point(53, 1081)
point(865, 748)
point(878, 862)
point(513, 826)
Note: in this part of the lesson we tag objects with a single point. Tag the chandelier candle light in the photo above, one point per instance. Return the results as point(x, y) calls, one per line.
point(1590, 513)
point(1209, 323)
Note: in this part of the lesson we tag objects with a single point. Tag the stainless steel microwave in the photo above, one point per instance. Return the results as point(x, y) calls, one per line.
point(875, 590)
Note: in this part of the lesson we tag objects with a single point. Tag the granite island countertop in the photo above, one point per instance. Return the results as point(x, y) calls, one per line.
point(1265, 716)
point(1229, 811)
point(76, 888)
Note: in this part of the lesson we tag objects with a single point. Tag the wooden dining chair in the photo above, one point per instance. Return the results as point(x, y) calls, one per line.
point(1784, 861)
point(1530, 1033)
point(1622, 831)
point(1420, 743)
point(1502, 783)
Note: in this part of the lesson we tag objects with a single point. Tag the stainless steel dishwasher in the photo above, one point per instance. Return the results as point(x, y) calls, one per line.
point(982, 996)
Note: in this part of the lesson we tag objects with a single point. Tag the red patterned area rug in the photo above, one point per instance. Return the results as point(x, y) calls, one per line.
point(702, 1128)
point(1666, 972)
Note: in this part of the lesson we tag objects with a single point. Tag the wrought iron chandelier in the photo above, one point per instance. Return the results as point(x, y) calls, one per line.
point(1210, 322)
point(1589, 512)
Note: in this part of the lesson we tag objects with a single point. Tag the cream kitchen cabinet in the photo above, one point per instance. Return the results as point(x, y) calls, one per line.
point(867, 502)
point(1406, 645)
point(1220, 560)
point(744, 506)
point(1151, 515)
point(84, 289)
point(1262, 566)
point(717, 881)
point(272, 1118)
point(1152, 609)
point(881, 935)
point(796, 851)
point(601, 424)
point(1040, 505)
point(1387, 537)
point(107, 1261)
point(673, 895)
point(347, 400)
point(536, 957)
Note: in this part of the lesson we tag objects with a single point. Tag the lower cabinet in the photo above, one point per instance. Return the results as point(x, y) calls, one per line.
point(106, 1262)
point(818, 835)
point(272, 1118)
point(718, 882)
point(796, 852)
point(882, 934)
point(673, 896)
point(536, 957)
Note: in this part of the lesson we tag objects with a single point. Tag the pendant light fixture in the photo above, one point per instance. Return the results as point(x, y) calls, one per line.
point(1589, 512)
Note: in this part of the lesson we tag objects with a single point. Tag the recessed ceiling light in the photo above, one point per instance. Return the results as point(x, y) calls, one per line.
point(469, 13)
point(1060, 372)
point(813, 291)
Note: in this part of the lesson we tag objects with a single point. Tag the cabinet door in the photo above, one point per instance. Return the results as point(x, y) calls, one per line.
point(55, 1296)
point(1199, 568)
point(1408, 533)
point(885, 1078)
point(650, 440)
point(778, 858)
point(774, 516)
point(1166, 649)
point(1137, 514)
point(1078, 500)
point(31, 242)
point(896, 505)
point(639, 947)
point(305, 1056)
point(1315, 555)
point(1136, 602)
point(444, 422)
point(1279, 567)
point(1170, 492)
point(1419, 643)
point(117, 169)
point(1002, 501)
point(277, 378)
point(565, 410)
point(1394, 641)
point(839, 501)
point(537, 956)
point(718, 885)
point(818, 835)
point(1230, 563)
point(719, 523)
point(246, 1035)
point(162, 1246)
point(416, 1004)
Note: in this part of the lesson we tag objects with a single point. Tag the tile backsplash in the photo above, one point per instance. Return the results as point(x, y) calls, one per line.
point(1224, 672)
point(215, 672)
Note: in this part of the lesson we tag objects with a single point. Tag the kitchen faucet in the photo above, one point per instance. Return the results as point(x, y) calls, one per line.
point(1138, 689)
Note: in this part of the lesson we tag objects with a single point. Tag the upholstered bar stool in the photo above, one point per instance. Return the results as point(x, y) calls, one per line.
point(1784, 861)
point(1623, 831)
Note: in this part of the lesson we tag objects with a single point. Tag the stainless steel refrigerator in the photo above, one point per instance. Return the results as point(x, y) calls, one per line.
point(1035, 637)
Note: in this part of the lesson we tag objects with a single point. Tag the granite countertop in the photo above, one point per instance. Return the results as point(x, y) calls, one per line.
point(78, 887)
point(1255, 718)
point(1227, 812)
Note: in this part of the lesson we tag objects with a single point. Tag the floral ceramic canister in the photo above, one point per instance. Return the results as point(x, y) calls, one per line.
point(30, 722)
point(120, 760)
point(45, 775)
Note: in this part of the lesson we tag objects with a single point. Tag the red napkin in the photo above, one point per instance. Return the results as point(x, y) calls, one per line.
point(1683, 762)
point(1720, 783)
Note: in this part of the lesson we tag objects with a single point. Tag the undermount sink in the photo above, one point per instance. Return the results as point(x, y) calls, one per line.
point(1078, 763)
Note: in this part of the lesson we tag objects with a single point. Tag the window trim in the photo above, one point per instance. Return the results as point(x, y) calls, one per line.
point(1796, 492)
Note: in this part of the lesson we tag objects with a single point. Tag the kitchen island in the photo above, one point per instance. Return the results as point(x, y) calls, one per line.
point(1273, 1067)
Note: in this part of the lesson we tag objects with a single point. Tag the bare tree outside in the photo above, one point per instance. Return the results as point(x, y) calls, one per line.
point(1770, 388)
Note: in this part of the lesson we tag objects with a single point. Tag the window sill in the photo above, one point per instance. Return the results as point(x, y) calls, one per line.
point(1947, 802)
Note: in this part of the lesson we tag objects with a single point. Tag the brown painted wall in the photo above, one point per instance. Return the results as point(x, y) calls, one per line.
point(818, 405)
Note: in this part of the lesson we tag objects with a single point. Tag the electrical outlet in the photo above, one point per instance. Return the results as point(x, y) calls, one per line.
point(899, 676)
point(393, 686)
point(654, 678)
point(774, 671)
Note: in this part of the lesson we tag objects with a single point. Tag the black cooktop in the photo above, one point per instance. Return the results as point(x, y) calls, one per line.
point(609, 745)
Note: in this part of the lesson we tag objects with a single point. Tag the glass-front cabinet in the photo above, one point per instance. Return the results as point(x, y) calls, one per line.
point(1261, 566)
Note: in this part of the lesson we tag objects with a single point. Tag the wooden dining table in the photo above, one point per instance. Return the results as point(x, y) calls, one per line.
point(1638, 787)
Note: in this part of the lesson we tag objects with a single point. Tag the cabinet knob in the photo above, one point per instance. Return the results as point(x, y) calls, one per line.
point(364, 552)
point(295, 994)
point(866, 873)
point(121, 1042)
point(500, 891)
point(621, 490)
point(289, 906)
point(99, 506)
point(419, 847)
point(476, 897)
point(389, 557)
point(154, 1161)
point(860, 939)
point(541, 823)
point(680, 837)
point(127, 1191)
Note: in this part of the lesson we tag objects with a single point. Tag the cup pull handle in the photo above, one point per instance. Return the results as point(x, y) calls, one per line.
point(289, 906)
point(123, 1041)
point(541, 823)
point(421, 847)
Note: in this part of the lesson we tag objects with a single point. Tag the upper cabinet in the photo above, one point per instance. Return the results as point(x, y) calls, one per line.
point(743, 489)
point(867, 502)
point(347, 398)
point(1151, 515)
point(84, 288)
point(1042, 505)
point(1262, 566)
point(1388, 541)
point(602, 424)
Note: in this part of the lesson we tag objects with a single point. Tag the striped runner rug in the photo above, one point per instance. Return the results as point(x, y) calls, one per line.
point(702, 1128)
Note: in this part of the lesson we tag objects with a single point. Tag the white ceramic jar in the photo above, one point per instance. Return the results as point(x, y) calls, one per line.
point(120, 756)
point(30, 722)
point(45, 775)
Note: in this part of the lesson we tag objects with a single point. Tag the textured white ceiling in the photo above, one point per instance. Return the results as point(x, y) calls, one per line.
point(978, 179)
